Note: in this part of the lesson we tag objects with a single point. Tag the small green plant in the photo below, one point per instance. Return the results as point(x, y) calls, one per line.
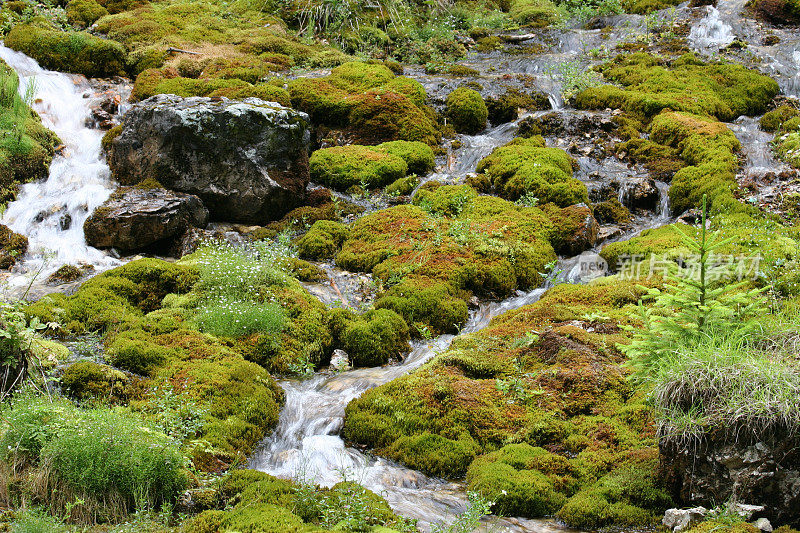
point(692, 306)
point(36, 520)
point(575, 77)
point(469, 520)
point(528, 199)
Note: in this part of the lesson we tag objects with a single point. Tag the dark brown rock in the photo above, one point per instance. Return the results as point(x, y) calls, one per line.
point(136, 218)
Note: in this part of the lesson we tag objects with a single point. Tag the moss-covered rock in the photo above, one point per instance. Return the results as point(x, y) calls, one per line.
point(403, 186)
point(87, 381)
point(77, 52)
point(434, 254)
point(84, 13)
point(368, 100)
point(375, 338)
point(466, 111)
point(535, 13)
point(323, 240)
point(774, 120)
point(12, 246)
point(651, 85)
point(341, 167)
point(527, 167)
point(418, 156)
point(546, 375)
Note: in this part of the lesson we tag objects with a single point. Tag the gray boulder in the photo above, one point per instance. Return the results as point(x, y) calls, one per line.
point(247, 159)
point(682, 519)
point(135, 218)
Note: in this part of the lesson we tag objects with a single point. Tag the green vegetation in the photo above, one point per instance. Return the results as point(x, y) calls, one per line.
point(84, 13)
point(342, 167)
point(526, 167)
point(466, 111)
point(370, 101)
point(77, 52)
point(26, 148)
point(650, 85)
point(106, 458)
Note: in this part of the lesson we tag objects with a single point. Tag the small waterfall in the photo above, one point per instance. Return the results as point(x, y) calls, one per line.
point(307, 442)
point(51, 213)
point(711, 31)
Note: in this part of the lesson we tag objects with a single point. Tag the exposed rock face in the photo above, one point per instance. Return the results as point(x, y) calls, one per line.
point(134, 218)
point(580, 230)
point(247, 160)
point(640, 193)
point(760, 474)
point(682, 519)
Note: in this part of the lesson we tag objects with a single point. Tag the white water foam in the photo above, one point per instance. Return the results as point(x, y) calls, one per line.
point(51, 212)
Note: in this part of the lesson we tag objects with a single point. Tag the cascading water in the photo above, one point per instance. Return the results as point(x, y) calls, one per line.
point(51, 213)
point(711, 31)
point(307, 443)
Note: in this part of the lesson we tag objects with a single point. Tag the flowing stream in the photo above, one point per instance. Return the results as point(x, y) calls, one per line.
point(51, 212)
point(307, 442)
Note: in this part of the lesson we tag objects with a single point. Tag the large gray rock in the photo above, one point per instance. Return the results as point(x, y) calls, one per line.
point(246, 159)
point(682, 519)
point(135, 218)
point(766, 475)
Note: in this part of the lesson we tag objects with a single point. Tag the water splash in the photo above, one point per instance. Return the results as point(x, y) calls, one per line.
point(711, 31)
point(51, 213)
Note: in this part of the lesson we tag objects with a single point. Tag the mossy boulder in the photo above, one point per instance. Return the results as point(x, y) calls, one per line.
point(526, 167)
point(418, 156)
point(87, 381)
point(466, 111)
point(482, 245)
point(323, 240)
point(537, 377)
point(774, 120)
point(78, 52)
point(403, 186)
point(650, 85)
point(12, 246)
point(84, 13)
point(523, 480)
point(370, 102)
point(375, 338)
point(534, 13)
point(341, 167)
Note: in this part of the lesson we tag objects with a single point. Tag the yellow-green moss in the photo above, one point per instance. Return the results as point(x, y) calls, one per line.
point(466, 111)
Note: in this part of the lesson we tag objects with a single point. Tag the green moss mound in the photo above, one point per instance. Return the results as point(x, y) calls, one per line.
point(526, 167)
point(534, 13)
point(84, 13)
point(323, 240)
point(370, 101)
point(78, 52)
point(12, 246)
point(374, 338)
point(403, 186)
point(418, 156)
point(453, 243)
point(466, 111)
point(651, 85)
point(523, 480)
point(535, 377)
point(153, 81)
point(93, 382)
point(341, 167)
point(774, 120)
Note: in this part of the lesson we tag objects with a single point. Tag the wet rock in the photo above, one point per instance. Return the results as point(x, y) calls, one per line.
point(194, 237)
point(683, 519)
point(640, 193)
point(586, 267)
point(762, 524)
point(12, 246)
point(340, 361)
point(135, 218)
point(578, 229)
point(608, 232)
point(764, 474)
point(247, 160)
